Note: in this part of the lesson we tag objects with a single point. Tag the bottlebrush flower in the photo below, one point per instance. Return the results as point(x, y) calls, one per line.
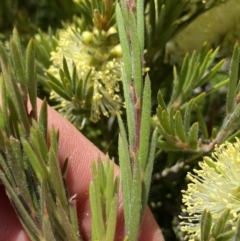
point(215, 187)
point(97, 57)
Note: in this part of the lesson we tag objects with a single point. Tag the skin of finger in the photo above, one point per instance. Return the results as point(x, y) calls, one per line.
point(81, 152)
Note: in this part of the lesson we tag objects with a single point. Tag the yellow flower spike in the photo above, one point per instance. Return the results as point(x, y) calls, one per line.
point(93, 60)
point(215, 187)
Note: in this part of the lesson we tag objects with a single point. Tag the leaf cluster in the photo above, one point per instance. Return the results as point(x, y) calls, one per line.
point(175, 119)
point(98, 14)
point(104, 200)
point(221, 230)
point(30, 167)
point(74, 89)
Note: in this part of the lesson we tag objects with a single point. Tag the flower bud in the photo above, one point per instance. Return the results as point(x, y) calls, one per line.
point(87, 37)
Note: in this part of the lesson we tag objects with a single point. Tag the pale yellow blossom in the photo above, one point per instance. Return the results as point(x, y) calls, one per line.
point(88, 52)
point(215, 187)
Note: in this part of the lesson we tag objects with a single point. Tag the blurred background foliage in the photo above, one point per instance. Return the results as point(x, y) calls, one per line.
point(174, 28)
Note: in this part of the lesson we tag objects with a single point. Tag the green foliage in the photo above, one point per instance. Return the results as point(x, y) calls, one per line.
point(194, 105)
point(136, 154)
point(221, 230)
point(30, 166)
point(174, 119)
point(104, 200)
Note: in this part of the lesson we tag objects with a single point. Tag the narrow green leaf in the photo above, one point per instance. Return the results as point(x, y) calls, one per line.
point(3, 58)
point(79, 90)
point(47, 227)
point(187, 116)
point(127, 157)
point(199, 98)
point(56, 178)
point(237, 231)
point(140, 24)
point(13, 90)
point(73, 215)
point(233, 80)
point(202, 123)
point(193, 136)
point(6, 170)
point(12, 163)
point(116, 185)
point(4, 104)
point(16, 158)
point(217, 87)
point(60, 91)
point(102, 179)
point(69, 90)
point(54, 80)
point(74, 78)
point(18, 65)
point(109, 188)
point(191, 83)
point(14, 121)
point(89, 97)
point(135, 203)
point(211, 73)
point(96, 209)
point(2, 136)
point(38, 141)
point(94, 227)
point(161, 101)
point(129, 108)
point(179, 127)
point(166, 123)
point(65, 69)
point(225, 236)
point(168, 137)
point(148, 169)
point(31, 75)
point(64, 80)
point(126, 180)
point(214, 133)
point(65, 222)
point(112, 219)
point(171, 112)
point(124, 9)
point(145, 123)
point(206, 223)
point(136, 56)
point(176, 90)
point(204, 63)
point(220, 223)
point(190, 70)
point(124, 43)
point(42, 119)
point(183, 72)
point(37, 163)
point(86, 80)
point(17, 41)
